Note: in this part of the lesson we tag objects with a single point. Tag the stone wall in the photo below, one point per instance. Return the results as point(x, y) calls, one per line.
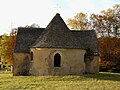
point(95, 65)
point(21, 64)
point(92, 64)
point(72, 61)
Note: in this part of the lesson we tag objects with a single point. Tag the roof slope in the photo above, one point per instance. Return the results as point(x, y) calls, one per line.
point(88, 38)
point(57, 35)
point(25, 38)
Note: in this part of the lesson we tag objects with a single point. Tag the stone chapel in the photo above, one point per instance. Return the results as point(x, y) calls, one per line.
point(55, 50)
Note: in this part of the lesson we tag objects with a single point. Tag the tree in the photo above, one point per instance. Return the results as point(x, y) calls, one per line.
point(3, 48)
point(10, 47)
point(107, 23)
point(7, 47)
point(80, 22)
point(110, 53)
point(34, 25)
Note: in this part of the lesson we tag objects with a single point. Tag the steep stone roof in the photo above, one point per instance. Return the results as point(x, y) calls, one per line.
point(88, 38)
point(57, 35)
point(25, 38)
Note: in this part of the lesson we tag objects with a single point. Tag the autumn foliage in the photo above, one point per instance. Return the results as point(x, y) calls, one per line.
point(9, 51)
point(110, 54)
point(79, 20)
point(7, 43)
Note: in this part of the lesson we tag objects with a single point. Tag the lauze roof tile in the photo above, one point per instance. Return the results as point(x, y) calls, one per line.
point(55, 35)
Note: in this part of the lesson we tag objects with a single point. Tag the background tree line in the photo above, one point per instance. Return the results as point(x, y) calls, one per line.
point(107, 27)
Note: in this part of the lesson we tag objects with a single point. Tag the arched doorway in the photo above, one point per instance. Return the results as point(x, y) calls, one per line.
point(57, 60)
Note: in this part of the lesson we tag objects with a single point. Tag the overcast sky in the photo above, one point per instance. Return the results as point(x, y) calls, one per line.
point(15, 13)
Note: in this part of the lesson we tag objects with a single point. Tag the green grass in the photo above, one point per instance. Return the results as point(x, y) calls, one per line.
point(102, 81)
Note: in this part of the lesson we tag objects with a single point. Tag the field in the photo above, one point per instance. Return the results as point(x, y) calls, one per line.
point(101, 81)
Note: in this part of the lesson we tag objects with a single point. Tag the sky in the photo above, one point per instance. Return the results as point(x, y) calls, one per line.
point(16, 13)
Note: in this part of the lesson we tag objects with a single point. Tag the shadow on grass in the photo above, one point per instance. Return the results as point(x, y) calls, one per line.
point(104, 76)
point(82, 77)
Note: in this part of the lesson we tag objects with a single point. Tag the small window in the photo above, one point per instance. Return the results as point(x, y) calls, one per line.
point(31, 54)
point(57, 60)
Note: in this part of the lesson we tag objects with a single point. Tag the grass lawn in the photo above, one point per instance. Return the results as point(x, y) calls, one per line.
point(101, 81)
